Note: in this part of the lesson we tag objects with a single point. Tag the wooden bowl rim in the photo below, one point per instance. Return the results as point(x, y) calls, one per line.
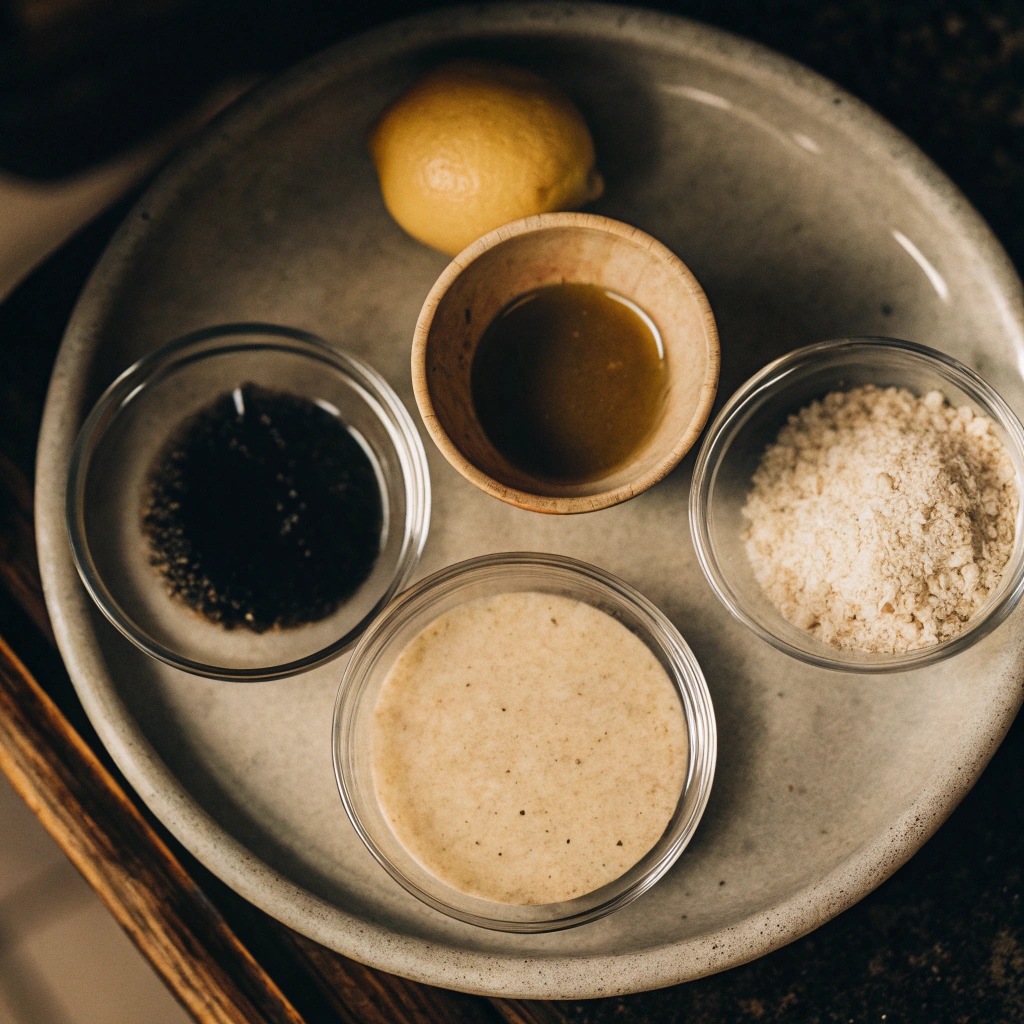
point(540, 502)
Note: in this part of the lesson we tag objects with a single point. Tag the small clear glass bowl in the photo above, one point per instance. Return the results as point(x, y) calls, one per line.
point(132, 422)
point(751, 420)
point(484, 577)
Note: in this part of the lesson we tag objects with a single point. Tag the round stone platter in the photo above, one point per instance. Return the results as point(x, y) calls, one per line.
point(804, 216)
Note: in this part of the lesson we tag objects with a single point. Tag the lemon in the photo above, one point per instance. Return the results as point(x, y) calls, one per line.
point(474, 145)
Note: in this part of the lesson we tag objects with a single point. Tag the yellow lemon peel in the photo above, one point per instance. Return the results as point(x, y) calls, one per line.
point(474, 145)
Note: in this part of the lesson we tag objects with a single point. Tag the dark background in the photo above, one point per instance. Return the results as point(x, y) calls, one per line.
point(943, 940)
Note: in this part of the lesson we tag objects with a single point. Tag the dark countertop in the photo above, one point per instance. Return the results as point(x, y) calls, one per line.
point(943, 940)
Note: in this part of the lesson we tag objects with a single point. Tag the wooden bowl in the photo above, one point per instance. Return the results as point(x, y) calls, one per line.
point(576, 248)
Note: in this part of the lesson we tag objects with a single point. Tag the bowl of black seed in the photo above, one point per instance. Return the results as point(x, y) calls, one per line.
point(243, 502)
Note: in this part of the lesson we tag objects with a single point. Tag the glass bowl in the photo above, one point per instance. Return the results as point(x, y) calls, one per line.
point(134, 419)
point(483, 577)
point(751, 420)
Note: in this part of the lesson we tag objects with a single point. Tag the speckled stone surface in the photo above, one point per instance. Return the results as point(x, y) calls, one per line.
point(941, 940)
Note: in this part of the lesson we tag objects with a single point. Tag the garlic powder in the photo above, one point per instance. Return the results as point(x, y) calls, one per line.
point(881, 521)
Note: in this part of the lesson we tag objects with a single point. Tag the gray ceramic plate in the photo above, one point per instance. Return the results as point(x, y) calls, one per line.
point(805, 217)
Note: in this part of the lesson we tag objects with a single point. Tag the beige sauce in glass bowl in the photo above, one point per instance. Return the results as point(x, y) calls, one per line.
point(528, 748)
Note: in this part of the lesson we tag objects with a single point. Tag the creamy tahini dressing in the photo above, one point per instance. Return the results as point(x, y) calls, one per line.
point(528, 748)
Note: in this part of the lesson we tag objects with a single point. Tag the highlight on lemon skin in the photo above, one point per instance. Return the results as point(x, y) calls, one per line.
point(473, 145)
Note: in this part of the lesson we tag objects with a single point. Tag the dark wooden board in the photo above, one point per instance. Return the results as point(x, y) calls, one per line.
point(122, 858)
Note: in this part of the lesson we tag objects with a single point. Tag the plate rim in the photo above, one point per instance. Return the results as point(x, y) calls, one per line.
point(74, 619)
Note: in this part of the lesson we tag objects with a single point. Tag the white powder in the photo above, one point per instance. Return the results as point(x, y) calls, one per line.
point(880, 521)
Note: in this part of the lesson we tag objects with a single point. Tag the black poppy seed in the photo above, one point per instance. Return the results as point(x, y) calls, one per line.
point(263, 511)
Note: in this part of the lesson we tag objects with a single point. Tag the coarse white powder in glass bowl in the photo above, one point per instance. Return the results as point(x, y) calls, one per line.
point(856, 505)
point(881, 521)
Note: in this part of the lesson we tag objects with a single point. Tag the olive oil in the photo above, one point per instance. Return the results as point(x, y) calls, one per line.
point(569, 381)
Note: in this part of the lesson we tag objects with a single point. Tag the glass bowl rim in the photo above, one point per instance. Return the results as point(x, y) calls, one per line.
point(193, 347)
point(771, 380)
point(687, 679)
